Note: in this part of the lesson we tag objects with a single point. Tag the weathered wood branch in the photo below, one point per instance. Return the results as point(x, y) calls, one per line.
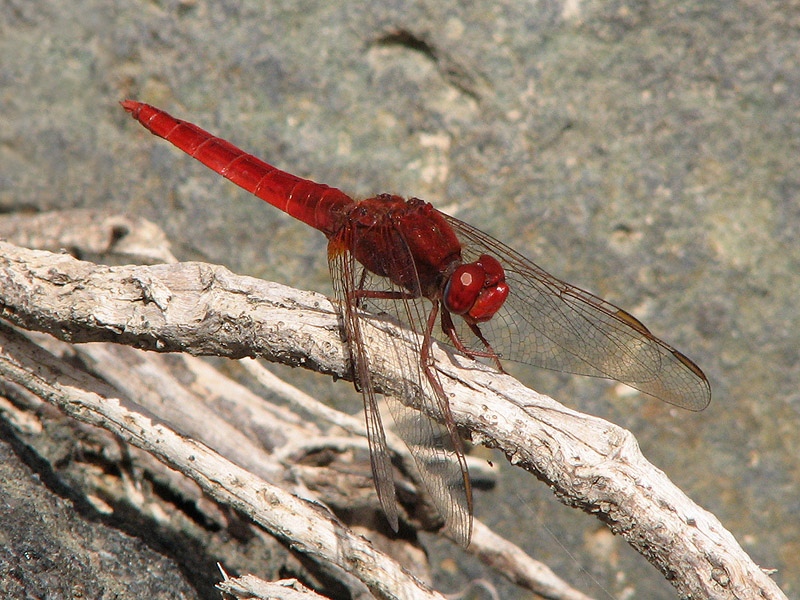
point(268, 440)
point(252, 587)
point(308, 528)
point(204, 309)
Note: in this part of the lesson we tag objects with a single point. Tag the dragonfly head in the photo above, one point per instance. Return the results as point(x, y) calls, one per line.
point(476, 290)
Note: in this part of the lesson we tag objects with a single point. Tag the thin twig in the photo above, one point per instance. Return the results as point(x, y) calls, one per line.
point(307, 527)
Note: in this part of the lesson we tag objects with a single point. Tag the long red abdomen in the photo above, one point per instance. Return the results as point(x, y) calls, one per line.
point(318, 205)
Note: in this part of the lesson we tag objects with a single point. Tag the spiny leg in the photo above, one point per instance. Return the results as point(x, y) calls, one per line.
point(490, 351)
point(448, 327)
point(428, 367)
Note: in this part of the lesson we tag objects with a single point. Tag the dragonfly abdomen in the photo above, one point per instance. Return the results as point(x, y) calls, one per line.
point(318, 205)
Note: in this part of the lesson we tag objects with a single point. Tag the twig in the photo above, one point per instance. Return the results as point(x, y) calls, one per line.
point(306, 527)
point(249, 587)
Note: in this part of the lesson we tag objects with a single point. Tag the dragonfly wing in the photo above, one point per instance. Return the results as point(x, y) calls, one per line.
point(441, 463)
point(549, 323)
point(432, 436)
point(343, 269)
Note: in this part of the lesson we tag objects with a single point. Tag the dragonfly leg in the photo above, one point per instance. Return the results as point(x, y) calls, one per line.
point(425, 352)
point(393, 295)
point(357, 295)
point(428, 367)
point(450, 330)
point(353, 296)
point(489, 350)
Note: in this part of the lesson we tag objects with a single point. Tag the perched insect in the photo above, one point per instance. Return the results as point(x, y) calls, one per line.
point(430, 269)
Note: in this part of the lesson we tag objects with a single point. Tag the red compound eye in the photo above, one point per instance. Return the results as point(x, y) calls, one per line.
point(463, 288)
point(477, 290)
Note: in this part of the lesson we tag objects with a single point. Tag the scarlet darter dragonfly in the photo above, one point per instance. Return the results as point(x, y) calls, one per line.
point(444, 280)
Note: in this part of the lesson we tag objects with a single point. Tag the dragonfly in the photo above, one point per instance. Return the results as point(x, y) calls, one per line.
point(447, 281)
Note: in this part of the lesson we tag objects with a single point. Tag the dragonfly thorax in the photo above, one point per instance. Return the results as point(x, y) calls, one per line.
point(407, 241)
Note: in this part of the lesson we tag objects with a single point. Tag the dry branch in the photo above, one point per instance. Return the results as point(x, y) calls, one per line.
point(253, 588)
point(204, 309)
point(180, 390)
point(308, 528)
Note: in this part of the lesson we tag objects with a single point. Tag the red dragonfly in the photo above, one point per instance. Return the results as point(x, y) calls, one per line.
point(405, 257)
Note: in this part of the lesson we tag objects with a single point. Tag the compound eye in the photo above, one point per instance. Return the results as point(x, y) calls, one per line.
point(463, 289)
point(493, 270)
point(488, 303)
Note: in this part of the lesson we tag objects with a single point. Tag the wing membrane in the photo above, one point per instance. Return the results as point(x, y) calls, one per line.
point(549, 323)
point(431, 437)
point(343, 268)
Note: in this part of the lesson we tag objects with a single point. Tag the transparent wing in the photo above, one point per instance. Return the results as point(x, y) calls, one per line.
point(549, 323)
point(342, 267)
point(419, 408)
point(428, 429)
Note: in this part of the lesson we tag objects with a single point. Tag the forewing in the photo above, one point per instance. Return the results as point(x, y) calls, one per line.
point(549, 323)
point(343, 272)
point(419, 407)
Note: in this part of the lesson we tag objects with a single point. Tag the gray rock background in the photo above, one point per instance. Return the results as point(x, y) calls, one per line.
point(647, 151)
